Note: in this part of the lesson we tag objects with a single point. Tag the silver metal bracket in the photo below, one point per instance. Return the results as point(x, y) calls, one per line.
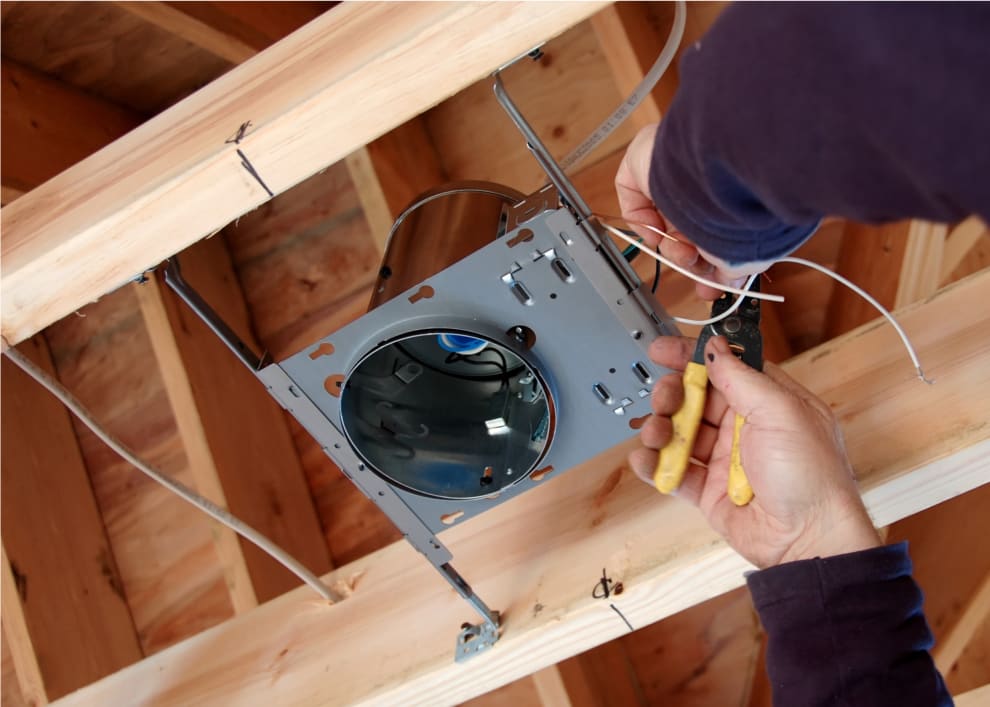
point(475, 638)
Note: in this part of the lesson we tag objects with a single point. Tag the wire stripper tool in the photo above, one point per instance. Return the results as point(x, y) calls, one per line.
point(742, 330)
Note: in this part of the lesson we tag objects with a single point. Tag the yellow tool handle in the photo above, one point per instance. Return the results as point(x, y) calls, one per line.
point(740, 492)
point(674, 457)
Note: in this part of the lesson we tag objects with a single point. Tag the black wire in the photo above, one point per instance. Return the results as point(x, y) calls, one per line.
point(467, 358)
point(501, 376)
point(656, 276)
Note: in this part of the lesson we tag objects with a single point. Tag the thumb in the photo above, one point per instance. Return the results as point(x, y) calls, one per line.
point(744, 388)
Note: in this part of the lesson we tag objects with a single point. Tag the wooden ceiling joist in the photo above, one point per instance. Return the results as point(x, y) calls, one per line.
point(539, 558)
point(313, 98)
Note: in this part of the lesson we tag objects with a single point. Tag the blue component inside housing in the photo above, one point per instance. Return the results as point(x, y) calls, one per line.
point(461, 343)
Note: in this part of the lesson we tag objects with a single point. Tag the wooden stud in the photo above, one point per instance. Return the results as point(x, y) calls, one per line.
point(241, 450)
point(54, 539)
point(48, 126)
point(194, 440)
point(959, 242)
point(477, 141)
point(392, 171)
point(630, 46)
point(17, 639)
point(8, 194)
point(334, 85)
point(372, 195)
point(979, 697)
point(870, 256)
point(173, 20)
point(550, 687)
point(938, 446)
point(234, 31)
point(921, 268)
point(702, 656)
point(257, 25)
point(602, 677)
point(955, 640)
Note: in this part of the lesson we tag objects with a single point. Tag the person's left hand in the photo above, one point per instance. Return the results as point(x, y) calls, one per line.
point(806, 503)
point(632, 186)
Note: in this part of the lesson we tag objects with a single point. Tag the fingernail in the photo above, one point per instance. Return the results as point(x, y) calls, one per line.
point(719, 345)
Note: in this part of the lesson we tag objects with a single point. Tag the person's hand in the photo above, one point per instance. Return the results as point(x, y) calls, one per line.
point(806, 503)
point(632, 185)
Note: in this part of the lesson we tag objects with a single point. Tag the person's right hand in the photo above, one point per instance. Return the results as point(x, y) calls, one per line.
point(806, 503)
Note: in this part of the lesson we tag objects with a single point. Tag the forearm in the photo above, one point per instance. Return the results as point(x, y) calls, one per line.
point(847, 630)
point(790, 112)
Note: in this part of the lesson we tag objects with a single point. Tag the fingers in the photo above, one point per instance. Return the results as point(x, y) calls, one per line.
point(643, 463)
point(744, 388)
point(672, 352)
point(633, 188)
point(656, 433)
point(668, 395)
point(685, 255)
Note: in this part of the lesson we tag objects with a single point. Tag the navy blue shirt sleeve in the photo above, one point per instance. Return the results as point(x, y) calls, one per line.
point(847, 630)
point(788, 112)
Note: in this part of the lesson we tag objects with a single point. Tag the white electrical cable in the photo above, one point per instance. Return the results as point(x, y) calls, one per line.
point(687, 273)
point(638, 94)
point(724, 315)
point(216, 512)
point(866, 295)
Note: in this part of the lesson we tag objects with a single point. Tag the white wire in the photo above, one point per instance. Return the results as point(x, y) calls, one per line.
point(866, 295)
point(797, 261)
point(642, 90)
point(687, 273)
point(219, 514)
point(727, 313)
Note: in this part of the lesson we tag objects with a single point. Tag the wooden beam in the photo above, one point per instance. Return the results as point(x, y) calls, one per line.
point(334, 85)
point(974, 698)
point(602, 677)
point(870, 256)
point(374, 204)
point(194, 440)
point(174, 20)
point(237, 438)
point(8, 194)
point(65, 576)
point(912, 446)
point(921, 268)
point(630, 45)
point(391, 172)
point(551, 688)
point(47, 126)
point(976, 609)
point(234, 31)
point(959, 242)
point(704, 655)
point(17, 640)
